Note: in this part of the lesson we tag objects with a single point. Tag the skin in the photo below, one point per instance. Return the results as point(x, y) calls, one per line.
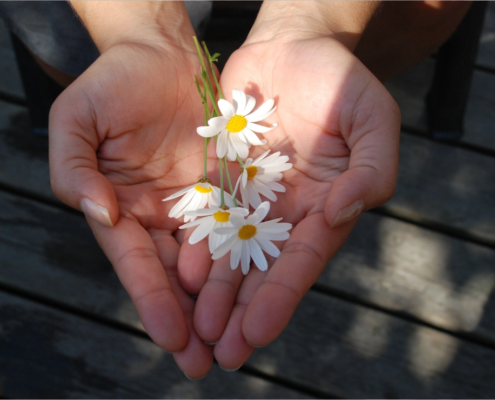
point(124, 136)
point(342, 137)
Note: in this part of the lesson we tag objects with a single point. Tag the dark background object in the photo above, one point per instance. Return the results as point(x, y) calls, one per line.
point(447, 99)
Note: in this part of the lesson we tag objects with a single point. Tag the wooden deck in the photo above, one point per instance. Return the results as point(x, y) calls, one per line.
point(406, 308)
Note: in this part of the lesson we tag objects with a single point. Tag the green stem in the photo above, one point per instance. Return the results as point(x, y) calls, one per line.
point(210, 94)
point(210, 86)
point(212, 70)
point(204, 158)
point(228, 180)
point(240, 161)
point(222, 201)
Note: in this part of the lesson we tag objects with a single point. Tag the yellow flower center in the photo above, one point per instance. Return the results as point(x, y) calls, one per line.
point(247, 232)
point(221, 216)
point(236, 124)
point(202, 189)
point(251, 171)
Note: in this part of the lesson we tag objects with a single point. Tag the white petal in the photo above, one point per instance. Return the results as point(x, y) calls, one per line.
point(268, 247)
point(239, 210)
point(274, 228)
point(198, 201)
point(245, 197)
point(226, 231)
point(224, 248)
point(218, 122)
point(236, 220)
point(228, 200)
point(252, 138)
point(257, 161)
point(240, 98)
point(257, 255)
point(222, 144)
point(242, 137)
point(191, 224)
point(214, 198)
point(235, 255)
point(268, 177)
point(264, 190)
point(202, 212)
point(253, 195)
point(226, 109)
point(259, 214)
point(245, 257)
point(272, 158)
point(237, 185)
point(277, 187)
point(260, 128)
point(208, 131)
point(271, 222)
point(231, 153)
point(259, 114)
point(213, 241)
point(176, 211)
point(273, 236)
point(202, 230)
point(244, 177)
point(250, 103)
point(179, 193)
point(240, 148)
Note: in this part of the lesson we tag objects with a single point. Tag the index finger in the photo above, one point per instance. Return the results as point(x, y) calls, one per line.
point(135, 259)
point(310, 246)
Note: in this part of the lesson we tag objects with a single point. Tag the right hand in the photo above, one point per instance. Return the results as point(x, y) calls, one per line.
point(123, 136)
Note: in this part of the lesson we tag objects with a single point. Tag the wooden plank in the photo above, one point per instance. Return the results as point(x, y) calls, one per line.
point(446, 185)
point(50, 354)
point(410, 90)
point(362, 353)
point(353, 351)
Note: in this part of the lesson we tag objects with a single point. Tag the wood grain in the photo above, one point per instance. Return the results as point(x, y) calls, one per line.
point(47, 353)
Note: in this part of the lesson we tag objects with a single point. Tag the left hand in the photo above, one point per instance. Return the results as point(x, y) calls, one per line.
point(340, 128)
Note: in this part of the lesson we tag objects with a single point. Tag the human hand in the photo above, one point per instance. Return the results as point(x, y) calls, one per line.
point(340, 129)
point(122, 138)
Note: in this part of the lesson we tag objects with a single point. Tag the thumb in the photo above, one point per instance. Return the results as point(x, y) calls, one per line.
point(371, 178)
point(74, 175)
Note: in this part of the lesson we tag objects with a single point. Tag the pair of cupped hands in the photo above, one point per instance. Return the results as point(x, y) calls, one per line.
point(123, 137)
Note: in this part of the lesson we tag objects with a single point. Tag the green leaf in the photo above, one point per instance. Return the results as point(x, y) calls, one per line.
point(214, 57)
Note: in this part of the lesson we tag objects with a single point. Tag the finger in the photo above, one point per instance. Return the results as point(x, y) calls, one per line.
point(371, 178)
point(216, 299)
point(74, 174)
point(194, 263)
point(134, 256)
point(303, 258)
point(233, 350)
point(196, 358)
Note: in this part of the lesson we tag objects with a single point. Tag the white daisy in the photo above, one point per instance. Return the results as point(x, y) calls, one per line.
point(250, 238)
point(214, 217)
point(197, 196)
point(236, 126)
point(260, 176)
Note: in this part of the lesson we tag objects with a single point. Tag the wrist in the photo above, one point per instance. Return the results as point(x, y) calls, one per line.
point(155, 23)
point(286, 21)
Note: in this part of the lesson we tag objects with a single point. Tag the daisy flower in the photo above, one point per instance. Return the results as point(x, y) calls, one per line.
point(250, 238)
point(214, 217)
point(195, 197)
point(236, 126)
point(260, 176)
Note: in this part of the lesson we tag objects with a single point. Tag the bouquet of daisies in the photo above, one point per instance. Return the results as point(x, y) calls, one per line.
point(226, 221)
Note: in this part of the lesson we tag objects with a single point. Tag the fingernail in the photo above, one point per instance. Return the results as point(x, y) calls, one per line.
point(193, 379)
point(256, 347)
point(228, 369)
point(348, 213)
point(95, 211)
